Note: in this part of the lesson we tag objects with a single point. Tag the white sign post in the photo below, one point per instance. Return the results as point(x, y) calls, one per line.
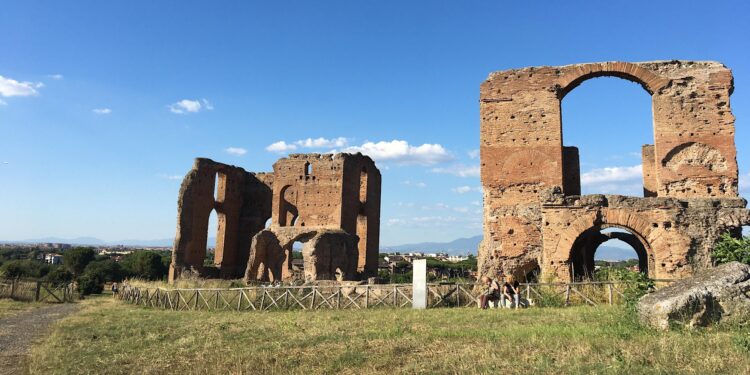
point(419, 284)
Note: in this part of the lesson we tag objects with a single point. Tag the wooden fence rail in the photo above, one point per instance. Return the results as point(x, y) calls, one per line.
point(317, 297)
point(36, 291)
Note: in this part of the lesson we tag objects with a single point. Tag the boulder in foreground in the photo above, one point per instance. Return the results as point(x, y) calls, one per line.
point(717, 294)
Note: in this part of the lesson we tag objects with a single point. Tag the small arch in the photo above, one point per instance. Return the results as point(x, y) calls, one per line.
point(308, 169)
point(581, 255)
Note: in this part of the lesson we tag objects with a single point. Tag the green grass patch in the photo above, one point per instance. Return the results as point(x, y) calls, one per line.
point(117, 338)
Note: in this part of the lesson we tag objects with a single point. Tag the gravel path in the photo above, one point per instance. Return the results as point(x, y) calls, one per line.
point(18, 332)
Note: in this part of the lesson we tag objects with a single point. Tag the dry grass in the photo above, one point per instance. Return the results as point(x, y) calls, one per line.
point(188, 283)
point(115, 338)
point(10, 307)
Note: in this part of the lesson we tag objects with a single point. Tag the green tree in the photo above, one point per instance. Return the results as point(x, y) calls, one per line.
point(24, 268)
point(106, 270)
point(78, 258)
point(730, 249)
point(145, 264)
point(89, 284)
point(59, 276)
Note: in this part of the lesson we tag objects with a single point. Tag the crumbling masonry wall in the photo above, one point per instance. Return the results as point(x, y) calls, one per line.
point(534, 216)
point(329, 202)
point(319, 200)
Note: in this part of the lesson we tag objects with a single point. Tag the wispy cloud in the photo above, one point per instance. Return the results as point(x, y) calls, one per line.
point(186, 106)
point(3, 102)
point(282, 147)
point(613, 180)
point(401, 152)
point(395, 151)
point(744, 183)
point(460, 170)
point(236, 151)
point(418, 184)
point(102, 111)
point(172, 177)
point(473, 154)
point(55, 77)
point(10, 87)
point(466, 189)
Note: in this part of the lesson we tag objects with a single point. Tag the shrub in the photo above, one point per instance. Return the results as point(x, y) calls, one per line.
point(730, 249)
point(89, 284)
point(105, 270)
point(78, 258)
point(59, 276)
point(24, 268)
point(145, 265)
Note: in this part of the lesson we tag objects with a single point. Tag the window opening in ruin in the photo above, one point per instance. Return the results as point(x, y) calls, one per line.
point(213, 228)
point(216, 187)
point(599, 252)
point(609, 119)
point(268, 223)
point(296, 262)
point(308, 169)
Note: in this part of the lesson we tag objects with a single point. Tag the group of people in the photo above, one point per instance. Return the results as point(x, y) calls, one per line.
point(502, 289)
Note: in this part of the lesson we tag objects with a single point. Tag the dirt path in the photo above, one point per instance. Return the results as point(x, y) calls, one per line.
point(18, 332)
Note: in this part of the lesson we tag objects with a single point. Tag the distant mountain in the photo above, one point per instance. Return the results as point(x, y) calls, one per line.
point(91, 241)
point(460, 246)
point(614, 253)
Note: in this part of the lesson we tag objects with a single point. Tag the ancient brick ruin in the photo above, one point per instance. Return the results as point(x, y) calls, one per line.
point(534, 215)
point(330, 203)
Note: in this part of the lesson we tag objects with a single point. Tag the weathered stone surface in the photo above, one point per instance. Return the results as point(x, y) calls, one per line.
point(534, 218)
point(713, 295)
point(320, 200)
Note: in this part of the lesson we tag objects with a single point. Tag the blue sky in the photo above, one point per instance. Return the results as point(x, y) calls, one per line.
point(104, 105)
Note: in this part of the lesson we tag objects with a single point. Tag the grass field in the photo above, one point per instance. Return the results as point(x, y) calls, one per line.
point(110, 337)
point(9, 307)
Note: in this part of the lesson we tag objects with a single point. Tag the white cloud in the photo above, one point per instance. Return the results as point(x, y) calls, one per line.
point(611, 174)
point(56, 77)
point(102, 111)
point(418, 184)
point(2, 102)
point(613, 180)
point(401, 152)
point(459, 170)
point(744, 183)
point(322, 142)
point(190, 106)
point(281, 147)
point(236, 151)
point(465, 189)
point(172, 177)
point(396, 151)
point(10, 87)
point(473, 154)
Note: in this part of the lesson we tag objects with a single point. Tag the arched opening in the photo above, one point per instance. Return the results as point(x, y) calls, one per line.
point(607, 129)
point(308, 169)
point(288, 212)
point(268, 223)
point(213, 230)
point(297, 265)
point(602, 248)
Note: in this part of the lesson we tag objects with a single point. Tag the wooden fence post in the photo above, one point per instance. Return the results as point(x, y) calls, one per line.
point(13, 287)
point(38, 290)
point(567, 294)
point(609, 286)
point(367, 296)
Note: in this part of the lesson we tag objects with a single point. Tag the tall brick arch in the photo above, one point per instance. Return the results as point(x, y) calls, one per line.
point(530, 177)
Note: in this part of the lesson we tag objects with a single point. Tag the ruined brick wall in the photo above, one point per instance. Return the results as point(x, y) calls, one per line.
point(524, 162)
point(327, 201)
point(242, 202)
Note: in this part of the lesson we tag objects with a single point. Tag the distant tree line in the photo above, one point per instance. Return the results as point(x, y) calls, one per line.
point(82, 265)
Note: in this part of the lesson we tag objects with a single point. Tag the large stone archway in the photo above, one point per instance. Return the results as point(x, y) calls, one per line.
point(531, 181)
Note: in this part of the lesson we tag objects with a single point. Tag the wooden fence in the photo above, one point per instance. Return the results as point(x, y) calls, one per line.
point(35, 291)
point(316, 297)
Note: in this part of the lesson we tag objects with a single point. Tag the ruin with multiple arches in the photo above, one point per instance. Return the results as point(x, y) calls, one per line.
point(535, 218)
point(329, 203)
